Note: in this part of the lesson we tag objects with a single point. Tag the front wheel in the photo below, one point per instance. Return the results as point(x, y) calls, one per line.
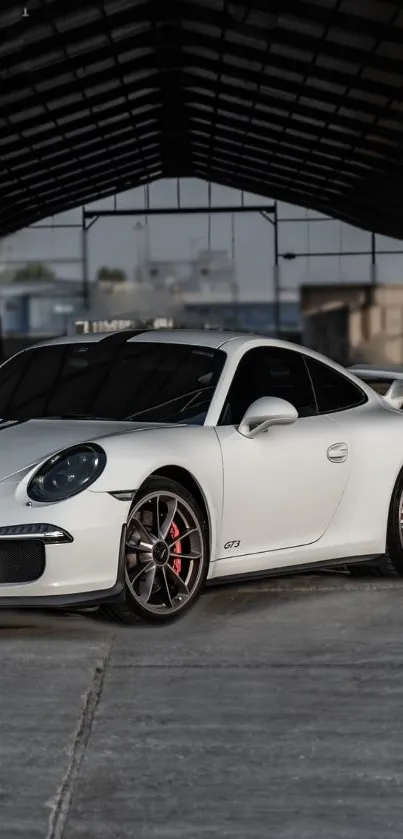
point(166, 559)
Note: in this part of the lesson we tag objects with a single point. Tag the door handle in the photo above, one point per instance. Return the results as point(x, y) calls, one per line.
point(337, 453)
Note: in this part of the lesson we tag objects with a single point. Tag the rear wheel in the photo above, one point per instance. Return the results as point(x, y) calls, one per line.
point(390, 565)
point(166, 561)
point(395, 529)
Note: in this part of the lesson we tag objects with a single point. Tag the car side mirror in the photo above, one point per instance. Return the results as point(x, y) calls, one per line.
point(264, 412)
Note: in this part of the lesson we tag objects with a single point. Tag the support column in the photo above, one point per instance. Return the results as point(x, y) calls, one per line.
point(85, 277)
point(276, 275)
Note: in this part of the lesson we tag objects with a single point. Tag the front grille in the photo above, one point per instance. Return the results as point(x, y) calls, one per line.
point(21, 560)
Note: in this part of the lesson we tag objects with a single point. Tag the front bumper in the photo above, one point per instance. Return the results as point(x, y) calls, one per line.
point(82, 549)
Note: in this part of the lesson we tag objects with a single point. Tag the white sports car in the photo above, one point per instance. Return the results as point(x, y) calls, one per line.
point(134, 467)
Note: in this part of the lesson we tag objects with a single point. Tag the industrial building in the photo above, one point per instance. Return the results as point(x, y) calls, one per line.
point(354, 323)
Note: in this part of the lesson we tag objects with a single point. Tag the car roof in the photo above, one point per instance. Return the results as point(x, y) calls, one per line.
point(209, 338)
point(213, 339)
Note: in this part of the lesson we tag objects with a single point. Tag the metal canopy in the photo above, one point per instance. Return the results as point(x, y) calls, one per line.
point(297, 100)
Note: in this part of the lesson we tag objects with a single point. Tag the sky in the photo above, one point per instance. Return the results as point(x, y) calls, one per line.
point(113, 242)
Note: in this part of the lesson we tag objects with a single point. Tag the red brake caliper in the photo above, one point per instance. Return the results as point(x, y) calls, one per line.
point(174, 533)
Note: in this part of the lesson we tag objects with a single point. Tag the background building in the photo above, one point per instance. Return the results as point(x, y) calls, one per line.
point(37, 308)
point(354, 322)
point(207, 271)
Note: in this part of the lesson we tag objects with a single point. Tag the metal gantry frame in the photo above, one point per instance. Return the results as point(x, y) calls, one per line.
point(372, 251)
point(268, 211)
point(45, 260)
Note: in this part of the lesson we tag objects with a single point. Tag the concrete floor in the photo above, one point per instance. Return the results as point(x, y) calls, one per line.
point(273, 711)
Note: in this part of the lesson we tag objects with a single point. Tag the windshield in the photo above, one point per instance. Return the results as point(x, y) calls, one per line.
point(143, 382)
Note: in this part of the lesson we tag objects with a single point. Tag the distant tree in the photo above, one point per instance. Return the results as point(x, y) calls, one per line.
point(6, 276)
point(34, 271)
point(111, 275)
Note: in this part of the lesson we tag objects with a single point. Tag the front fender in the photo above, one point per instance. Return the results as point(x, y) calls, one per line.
point(132, 458)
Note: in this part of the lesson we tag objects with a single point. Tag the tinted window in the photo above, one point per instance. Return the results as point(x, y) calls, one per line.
point(269, 372)
point(141, 381)
point(334, 392)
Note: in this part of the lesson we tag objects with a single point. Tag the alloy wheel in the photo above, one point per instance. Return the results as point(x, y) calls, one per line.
point(164, 553)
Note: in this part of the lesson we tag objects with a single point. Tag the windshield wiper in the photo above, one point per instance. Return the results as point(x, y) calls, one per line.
point(190, 396)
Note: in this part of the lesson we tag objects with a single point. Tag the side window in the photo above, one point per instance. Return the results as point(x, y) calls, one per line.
point(268, 371)
point(334, 392)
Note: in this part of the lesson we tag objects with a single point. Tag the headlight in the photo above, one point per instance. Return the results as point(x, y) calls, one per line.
point(67, 473)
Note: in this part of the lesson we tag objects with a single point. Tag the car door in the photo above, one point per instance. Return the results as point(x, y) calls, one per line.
point(282, 487)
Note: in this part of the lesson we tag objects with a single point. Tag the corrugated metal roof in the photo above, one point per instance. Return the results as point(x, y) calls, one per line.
point(299, 100)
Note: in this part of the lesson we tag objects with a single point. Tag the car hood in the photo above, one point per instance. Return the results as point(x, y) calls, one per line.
point(24, 444)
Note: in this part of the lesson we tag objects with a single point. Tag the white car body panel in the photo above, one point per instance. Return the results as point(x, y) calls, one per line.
point(87, 564)
point(280, 489)
point(27, 444)
point(195, 449)
point(277, 495)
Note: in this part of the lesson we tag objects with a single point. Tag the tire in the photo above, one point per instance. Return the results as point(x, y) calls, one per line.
point(159, 571)
point(394, 538)
point(391, 564)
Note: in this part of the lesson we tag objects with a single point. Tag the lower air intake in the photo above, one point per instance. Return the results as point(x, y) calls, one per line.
point(21, 561)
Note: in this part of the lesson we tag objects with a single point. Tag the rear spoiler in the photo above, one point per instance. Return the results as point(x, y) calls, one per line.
point(394, 395)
